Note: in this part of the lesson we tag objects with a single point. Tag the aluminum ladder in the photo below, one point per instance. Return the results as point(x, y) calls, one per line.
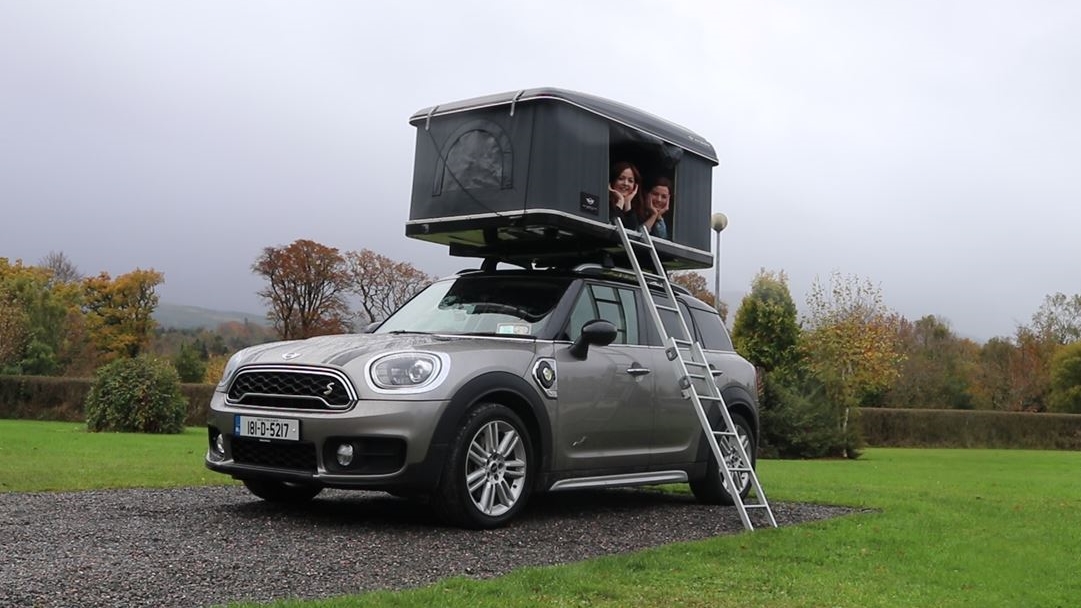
point(696, 360)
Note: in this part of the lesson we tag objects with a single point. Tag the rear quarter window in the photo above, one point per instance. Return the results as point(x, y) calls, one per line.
point(711, 331)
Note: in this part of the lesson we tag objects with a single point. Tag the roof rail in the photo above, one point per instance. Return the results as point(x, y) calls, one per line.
point(624, 274)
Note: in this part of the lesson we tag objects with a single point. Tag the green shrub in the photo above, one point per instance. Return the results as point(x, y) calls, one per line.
point(139, 395)
point(799, 422)
point(1066, 380)
point(189, 365)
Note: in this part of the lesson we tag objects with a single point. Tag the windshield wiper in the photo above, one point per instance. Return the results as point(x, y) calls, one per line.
point(493, 334)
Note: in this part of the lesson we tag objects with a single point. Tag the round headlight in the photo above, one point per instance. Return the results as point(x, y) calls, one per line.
point(405, 371)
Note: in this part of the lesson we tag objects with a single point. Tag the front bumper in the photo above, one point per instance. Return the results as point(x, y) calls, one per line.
point(392, 442)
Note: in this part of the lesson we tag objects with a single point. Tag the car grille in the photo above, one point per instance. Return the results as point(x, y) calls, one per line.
point(302, 388)
point(298, 456)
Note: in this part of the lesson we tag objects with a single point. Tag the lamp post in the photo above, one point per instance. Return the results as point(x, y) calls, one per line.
point(719, 223)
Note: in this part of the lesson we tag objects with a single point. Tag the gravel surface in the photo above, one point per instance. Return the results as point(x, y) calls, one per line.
point(206, 546)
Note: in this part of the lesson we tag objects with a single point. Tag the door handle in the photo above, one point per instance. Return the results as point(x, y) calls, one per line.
point(635, 370)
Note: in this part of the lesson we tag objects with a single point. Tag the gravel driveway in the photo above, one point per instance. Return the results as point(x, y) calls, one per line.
point(205, 546)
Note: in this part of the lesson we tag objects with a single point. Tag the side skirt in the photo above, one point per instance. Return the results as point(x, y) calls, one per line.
point(628, 479)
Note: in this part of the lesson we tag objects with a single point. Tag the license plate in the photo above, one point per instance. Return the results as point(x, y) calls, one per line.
point(266, 428)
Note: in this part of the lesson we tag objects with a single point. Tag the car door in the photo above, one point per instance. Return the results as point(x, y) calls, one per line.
point(605, 416)
point(677, 429)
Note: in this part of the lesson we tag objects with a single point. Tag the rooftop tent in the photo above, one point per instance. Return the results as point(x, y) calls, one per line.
point(523, 176)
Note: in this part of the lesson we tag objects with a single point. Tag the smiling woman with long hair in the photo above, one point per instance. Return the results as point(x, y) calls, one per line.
point(623, 197)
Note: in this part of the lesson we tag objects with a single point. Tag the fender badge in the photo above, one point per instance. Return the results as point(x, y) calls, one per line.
point(288, 356)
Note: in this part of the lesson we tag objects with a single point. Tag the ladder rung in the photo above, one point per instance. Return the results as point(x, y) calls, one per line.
point(755, 506)
point(697, 376)
point(724, 433)
point(670, 309)
point(696, 364)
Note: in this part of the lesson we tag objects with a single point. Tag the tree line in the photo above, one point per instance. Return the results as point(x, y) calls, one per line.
point(849, 350)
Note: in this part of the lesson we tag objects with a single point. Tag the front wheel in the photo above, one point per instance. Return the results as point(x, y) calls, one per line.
point(712, 488)
point(487, 477)
point(282, 492)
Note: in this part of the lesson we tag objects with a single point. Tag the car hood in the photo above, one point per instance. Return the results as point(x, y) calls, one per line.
point(341, 350)
point(335, 349)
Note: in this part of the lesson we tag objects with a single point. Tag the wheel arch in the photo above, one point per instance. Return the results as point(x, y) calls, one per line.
point(512, 392)
point(739, 401)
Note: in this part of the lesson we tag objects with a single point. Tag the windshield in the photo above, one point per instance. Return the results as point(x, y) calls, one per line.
point(496, 305)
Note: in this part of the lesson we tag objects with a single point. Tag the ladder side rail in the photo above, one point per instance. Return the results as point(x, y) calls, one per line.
point(711, 435)
point(745, 459)
point(651, 304)
point(673, 348)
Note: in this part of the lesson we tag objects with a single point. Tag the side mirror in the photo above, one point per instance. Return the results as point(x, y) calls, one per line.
point(597, 332)
point(369, 328)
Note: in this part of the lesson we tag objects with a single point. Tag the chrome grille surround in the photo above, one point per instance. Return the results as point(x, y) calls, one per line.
point(291, 387)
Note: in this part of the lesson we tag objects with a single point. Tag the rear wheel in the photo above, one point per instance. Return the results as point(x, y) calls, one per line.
point(712, 489)
point(487, 477)
point(282, 492)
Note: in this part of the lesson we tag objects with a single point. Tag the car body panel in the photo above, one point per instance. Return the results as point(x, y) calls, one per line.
point(613, 417)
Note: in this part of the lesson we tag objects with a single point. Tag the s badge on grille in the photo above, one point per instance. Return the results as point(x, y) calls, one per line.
point(330, 389)
point(288, 356)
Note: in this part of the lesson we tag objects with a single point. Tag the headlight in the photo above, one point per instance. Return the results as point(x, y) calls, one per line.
point(407, 371)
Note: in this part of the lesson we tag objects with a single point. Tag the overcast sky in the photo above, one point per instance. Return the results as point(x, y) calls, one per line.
point(932, 147)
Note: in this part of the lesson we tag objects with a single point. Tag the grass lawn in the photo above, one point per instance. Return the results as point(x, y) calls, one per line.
point(43, 456)
point(951, 528)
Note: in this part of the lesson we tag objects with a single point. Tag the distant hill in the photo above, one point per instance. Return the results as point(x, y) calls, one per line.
point(177, 316)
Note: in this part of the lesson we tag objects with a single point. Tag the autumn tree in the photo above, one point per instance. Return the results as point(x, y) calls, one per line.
point(306, 287)
point(992, 385)
point(1059, 318)
point(851, 346)
point(119, 311)
point(44, 312)
point(381, 283)
point(695, 283)
point(14, 330)
point(1030, 369)
point(938, 370)
point(61, 268)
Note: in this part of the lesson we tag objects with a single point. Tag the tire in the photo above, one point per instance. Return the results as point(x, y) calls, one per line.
point(282, 492)
point(711, 489)
point(487, 477)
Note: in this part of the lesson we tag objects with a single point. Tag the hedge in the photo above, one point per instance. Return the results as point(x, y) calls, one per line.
point(884, 427)
point(49, 398)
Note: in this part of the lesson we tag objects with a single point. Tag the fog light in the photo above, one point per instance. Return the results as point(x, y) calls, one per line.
point(345, 454)
point(219, 445)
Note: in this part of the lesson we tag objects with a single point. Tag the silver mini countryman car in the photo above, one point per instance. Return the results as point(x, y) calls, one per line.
point(484, 388)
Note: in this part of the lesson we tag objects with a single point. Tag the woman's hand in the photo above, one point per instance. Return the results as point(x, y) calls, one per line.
point(624, 202)
point(659, 208)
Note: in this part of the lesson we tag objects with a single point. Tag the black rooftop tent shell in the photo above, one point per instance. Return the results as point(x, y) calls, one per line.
point(523, 177)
